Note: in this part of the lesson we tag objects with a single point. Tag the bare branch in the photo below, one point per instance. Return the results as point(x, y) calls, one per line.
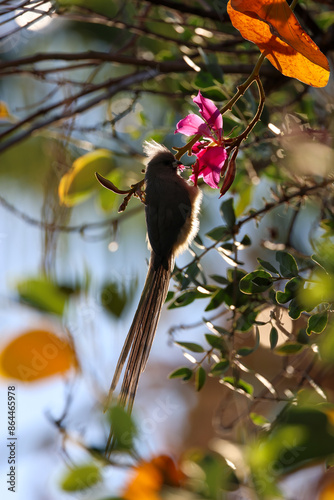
point(122, 84)
point(80, 228)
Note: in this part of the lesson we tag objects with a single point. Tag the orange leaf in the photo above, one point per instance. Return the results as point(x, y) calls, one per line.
point(274, 28)
point(145, 485)
point(172, 475)
point(150, 477)
point(4, 113)
point(36, 354)
point(327, 493)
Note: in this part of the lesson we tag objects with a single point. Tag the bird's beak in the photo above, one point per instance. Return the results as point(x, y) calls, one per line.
point(178, 165)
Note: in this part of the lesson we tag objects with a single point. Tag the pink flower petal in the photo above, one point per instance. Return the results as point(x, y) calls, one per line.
point(211, 162)
point(199, 146)
point(210, 113)
point(191, 125)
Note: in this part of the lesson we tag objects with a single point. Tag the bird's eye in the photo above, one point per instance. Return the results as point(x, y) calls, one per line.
point(170, 164)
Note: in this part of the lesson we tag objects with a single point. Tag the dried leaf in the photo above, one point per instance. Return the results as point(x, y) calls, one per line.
point(274, 28)
point(230, 173)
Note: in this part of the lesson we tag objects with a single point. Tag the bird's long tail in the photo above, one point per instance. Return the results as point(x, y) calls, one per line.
point(139, 340)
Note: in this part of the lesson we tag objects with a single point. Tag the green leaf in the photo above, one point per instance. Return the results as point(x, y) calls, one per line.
point(114, 297)
point(191, 346)
point(266, 265)
point(245, 242)
point(213, 476)
point(190, 276)
point(220, 368)
point(304, 434)
point(204, 80)
point(185, 373)
point(246, 320)
point(287, 264)
point(200, 378)
point(320, 261)
point(302, 337)
point(321, 291)
point(295, 308)
point(170, 295)
point(213, 66)
point(217, 299)
point(273, 337)
point(44, 295)
point(245, 199)
point(218, 329)
point(227, 212)
point(239, 384)
point(235, 275)
point(245, 351)
point(257, 419)
point(81, 478)
point(291, 289)
point(234, 297)
point(256, 282)
point(123, 428)
point(199, 242)
point(217, 342)
point(324, 256)
point(219, 279)
point(184, 299)
point(289, 348)
point(317, 322)
point(214, 340)
point(326, 345)
point(220, 233)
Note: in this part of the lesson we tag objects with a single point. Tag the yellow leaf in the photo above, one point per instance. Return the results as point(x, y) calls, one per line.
point(327, 493)
point(79, 182)
point(81, 478)
point(274, 28)
point(36, 354)
point(4, 113)
point(145, 485)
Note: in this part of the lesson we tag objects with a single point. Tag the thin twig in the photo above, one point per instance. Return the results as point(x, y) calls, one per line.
point(79, 228)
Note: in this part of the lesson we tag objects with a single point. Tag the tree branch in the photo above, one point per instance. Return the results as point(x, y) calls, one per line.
point(94, 57)
point(80, 228)
point(122, 84)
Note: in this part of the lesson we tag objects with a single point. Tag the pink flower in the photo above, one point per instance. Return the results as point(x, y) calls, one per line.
point(210, 153)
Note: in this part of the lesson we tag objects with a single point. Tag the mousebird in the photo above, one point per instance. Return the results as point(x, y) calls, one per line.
point(171, 211)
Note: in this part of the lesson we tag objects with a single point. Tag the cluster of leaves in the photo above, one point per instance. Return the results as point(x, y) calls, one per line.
point(36, 354)
point(305, 289)
point(302, 433)
point(207, 472)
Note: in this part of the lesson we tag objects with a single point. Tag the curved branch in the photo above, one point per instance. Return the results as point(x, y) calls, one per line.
point(285, 198)
point(80, 228)
point(123, 84)
point(177, 66)
point(215, 14)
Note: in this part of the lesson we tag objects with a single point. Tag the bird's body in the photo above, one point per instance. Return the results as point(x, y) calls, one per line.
point(171, 210)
